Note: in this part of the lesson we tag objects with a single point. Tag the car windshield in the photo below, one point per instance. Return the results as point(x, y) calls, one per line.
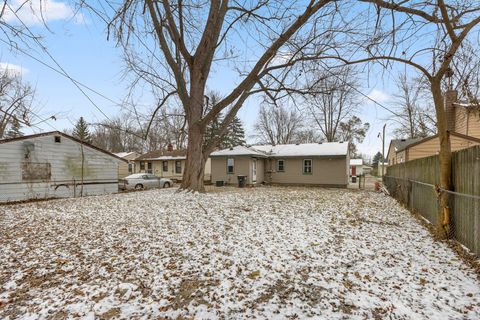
point(134, 176)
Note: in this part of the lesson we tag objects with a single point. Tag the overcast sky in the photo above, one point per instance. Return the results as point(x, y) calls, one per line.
point(79, 44)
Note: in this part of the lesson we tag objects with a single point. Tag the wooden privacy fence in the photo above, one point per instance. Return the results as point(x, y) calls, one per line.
point(413, 183)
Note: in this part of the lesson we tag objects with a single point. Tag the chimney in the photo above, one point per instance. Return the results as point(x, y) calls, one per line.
point(170, 147)
point(450, 98)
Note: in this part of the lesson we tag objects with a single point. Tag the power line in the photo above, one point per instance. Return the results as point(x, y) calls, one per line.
point(360, 92)
point(44, 49)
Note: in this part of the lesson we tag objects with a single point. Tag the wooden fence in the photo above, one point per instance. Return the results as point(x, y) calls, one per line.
point(412, 183)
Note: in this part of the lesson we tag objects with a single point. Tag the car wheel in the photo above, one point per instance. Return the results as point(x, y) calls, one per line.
point(139, 186)
point(166, 185)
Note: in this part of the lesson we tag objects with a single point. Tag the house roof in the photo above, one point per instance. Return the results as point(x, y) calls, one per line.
point(59, 133)
point(164, 155)
point(238, 151)
point(305, 149)
point(287, 150)
point(123, 154)
point(402, 144)
point(356, 162)
point(453, 133)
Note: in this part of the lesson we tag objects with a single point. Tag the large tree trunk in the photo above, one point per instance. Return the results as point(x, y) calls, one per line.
point(445, 157)
point(195, 165)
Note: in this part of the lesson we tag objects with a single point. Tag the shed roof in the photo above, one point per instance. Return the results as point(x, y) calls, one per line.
point(356, 162)
point(59, 133)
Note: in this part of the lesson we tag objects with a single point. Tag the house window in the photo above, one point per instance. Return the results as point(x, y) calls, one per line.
point(58, 139)
point(130, 168)
point(165, 166)
point(307, 166)
point(178, 166)
point(280, 165)
point(149, 167)
point(142, 165)
point(230, 165)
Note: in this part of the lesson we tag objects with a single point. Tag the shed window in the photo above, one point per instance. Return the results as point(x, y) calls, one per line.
point(165, 166)
point(307, 166)
point(142, 165)
point(280, 165)
point(230, 165)
point(178, 166)
point(130, 168)
point(58, 139)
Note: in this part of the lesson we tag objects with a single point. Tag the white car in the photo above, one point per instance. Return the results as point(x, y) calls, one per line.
point(140, 181)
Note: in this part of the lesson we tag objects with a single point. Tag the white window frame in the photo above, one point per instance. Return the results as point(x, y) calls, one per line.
point(278, 165)
point(311, 166)
point(232, 165)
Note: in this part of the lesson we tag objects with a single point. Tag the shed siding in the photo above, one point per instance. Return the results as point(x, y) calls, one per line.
point(100, 173)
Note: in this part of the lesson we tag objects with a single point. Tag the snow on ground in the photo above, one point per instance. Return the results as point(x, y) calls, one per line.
point(272, 253)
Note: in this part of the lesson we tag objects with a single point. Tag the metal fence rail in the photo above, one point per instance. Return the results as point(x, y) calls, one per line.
point(413, 184)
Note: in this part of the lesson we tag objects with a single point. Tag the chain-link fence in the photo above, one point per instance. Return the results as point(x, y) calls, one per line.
point(422, 198)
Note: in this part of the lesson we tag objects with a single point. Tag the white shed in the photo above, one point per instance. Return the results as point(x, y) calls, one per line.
point(54, 165)
point(356, 167)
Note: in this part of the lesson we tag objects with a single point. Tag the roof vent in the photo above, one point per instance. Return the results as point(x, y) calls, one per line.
point(320, 142)
point(341, 141)
point(297, 144)
point(231, 148)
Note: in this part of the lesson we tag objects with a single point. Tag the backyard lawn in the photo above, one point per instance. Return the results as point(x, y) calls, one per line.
point(286, 253)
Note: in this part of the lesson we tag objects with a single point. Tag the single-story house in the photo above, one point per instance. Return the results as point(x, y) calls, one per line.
point(403, 150)
point(367, 169)
point(463, 124)
point(126, 169)
point(323, 164)
point(55, 165)
point(167, 164)
point(356, 167)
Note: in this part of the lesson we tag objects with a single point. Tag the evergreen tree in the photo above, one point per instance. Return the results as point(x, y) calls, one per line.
point(377, 158)
point(81, 131)
point(235, 135)
point(14, 130)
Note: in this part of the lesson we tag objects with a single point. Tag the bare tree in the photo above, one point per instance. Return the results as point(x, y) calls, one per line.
point(414, 115)
point(353, 131)
point(16, 100)
point(277, 125)
point(409, 31)
point(333, 102)
point(191, 38)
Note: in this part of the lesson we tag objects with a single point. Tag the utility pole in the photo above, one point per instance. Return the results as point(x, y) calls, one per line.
point(383, 151)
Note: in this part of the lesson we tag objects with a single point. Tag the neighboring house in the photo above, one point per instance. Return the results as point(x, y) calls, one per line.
point(400, 151)
point(126, 169)
point(463, 123)
point(167, 164)
point(54, 165)
point(367, 169)
point(325, 164)
point(356, 167)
